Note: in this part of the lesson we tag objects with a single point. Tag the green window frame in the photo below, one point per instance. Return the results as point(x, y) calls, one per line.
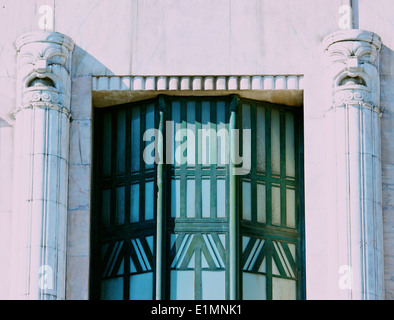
point(191, 221)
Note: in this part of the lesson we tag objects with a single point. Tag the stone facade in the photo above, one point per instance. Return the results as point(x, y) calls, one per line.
point(61, 59)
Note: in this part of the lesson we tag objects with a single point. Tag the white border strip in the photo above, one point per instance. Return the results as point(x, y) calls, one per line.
point(194, 83)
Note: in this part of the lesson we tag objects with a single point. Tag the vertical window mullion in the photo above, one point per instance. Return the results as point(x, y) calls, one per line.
point(269, 271)
point(114, 178)
point(126, 266)
point(234, 242)
point(126, 288)
point(228, 201)
point(128, 166)
point(142, 178)
point(211, 156)
point(253, 173)
point(268, 187)
point(160, 218)
point(183, 164)
point(283, 168)
point(198, 274)
point(268, 199)
point(299, 183)
point(198, 173)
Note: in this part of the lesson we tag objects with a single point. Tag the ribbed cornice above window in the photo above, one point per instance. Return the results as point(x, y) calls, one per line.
point(112, 89)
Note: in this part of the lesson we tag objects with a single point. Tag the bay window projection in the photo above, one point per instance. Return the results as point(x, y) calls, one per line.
point(172, 216)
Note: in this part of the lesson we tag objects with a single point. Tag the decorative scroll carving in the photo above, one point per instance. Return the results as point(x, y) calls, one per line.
point(351, 95)
point(44, 98)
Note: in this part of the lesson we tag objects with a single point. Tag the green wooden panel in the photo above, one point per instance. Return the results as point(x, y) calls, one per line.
point(201, 219)
point(271, 205)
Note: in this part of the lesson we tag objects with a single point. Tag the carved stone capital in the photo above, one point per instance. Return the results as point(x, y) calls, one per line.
point(44, 68)
point(353, 66)
point(356, 43)
point(35, 48)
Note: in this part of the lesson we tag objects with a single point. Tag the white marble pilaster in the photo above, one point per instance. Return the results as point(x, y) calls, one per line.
point(41, 165)
point(354, 166)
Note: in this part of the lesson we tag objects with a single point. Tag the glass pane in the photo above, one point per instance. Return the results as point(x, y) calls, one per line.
point(206, 136)
point(214, 243)
point(135, 139)
point(149, 200)
point(175, 198)
point(112, 289)
point(107, 138)
point(182, 285)
point(141, 257)
point(134, 202)
point(254, 253)
point(150, 240)
point(275, 142)
point(254, 286)
point(261, 205)
point(246, 201)
point(176, 118)
point(112, 259)
point(292, 248)
point(191, 133)
point(221, 198)
point(285, 256)
point(181, 145)
point(246, 121)
point(121, 141)
point(213, 285)
point(190, 191)
point(222, 134)
point(105, 207)
point(246, 124)
point(150, 124)
point(117, 256)
point(276, 205)
point(132, 266)
point(206, 198)
point(120, 193)
point(260, 139)
point(290, 208)
point(141, 286)
point(208, 146)
point(290, 154)
point(283, 289)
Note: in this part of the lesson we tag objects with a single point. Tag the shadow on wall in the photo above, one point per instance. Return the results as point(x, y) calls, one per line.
point(4, 123)
point(7, 119)
point(85, 64)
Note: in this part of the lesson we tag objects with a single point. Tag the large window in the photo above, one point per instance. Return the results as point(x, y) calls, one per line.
point(198, 198)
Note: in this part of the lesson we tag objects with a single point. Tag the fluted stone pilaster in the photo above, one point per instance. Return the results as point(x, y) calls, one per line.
point(42, 119)
point(354, 163)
